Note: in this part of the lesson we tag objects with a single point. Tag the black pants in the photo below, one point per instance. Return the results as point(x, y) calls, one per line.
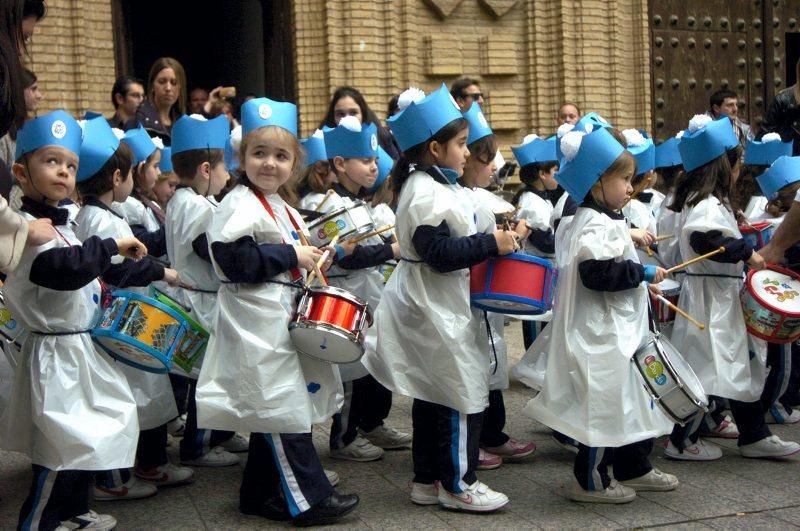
point(749, 417)
point(792, 395)
point(180, 390)
point(54, 497)
point(779, 361)
point(494, 420)
point(151, 451)
point(284, 465)
point(530, 331)
point(366, 406)
point(445, 445)
point(197, 442)
point(629, 462)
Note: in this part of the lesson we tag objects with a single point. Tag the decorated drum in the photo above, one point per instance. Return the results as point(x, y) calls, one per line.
point(11, 329)
point(386, 269)
point(347, 222)
point(193, 345)
point(757, 234)
point(517, 284)
point(771, 304)
point(671, 290)
point(139, 331)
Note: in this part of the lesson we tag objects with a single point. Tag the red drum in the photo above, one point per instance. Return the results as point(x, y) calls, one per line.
point(330, 324)
point(757, 234)
point(672, 292)
point(771, 304)
point(516, 284)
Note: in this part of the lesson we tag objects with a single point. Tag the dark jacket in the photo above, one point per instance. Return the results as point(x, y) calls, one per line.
point(783, 117)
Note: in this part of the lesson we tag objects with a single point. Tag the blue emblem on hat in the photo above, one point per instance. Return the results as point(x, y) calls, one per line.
point(315, 148)
point(385, 165)
point(764, 153)
point(421, 120)
point(264, 112)
point(598, 151)
point(784, 171)
point(341, 141)
point(537, 150)
point(667, 153)
point(478, 126)
point(55, 128)
point(99, 144)
point(705, 144)
point(165, 165)
point(140, 143)
point(191, 133)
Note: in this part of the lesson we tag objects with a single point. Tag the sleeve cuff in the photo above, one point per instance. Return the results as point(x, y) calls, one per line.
point(110, 245)
point(491, 244)
point(649, 272)
point(339, 252)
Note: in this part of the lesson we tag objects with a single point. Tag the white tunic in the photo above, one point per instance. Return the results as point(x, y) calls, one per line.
point(538, 213)
point(136, 213)
point(431, 345)
point(311, 201)
point(591, 391)
point(155, 400)
point(71, 408)
point(253, 379)
point(728, 361)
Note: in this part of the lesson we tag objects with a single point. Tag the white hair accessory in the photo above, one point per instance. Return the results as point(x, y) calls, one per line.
point(351, 123)
point(82, 123)
point(157, 141)
point(680, 134)
point(633, 137)
point(771, 137)
point(236, 138)
point(529, 138)
point(571, 143)
point(119, 133)
point(699, 121)
point(499, 160)
point(319, 134)
point(563, 129)
point(198, 117)
point(412, 94)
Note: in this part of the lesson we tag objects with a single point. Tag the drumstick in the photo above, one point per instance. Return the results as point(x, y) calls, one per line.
point(680, 312)
point(664, 237)
point(696, 259)
point(321, 261)
point(639, 189)
point(371, 234)
point(316, 271)
point(327, 195)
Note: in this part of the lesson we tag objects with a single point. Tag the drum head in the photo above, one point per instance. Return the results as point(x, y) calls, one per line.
point(122, 350)
point(669, 285)
point(683, 370)
point(325, 343)
point(776, 288)
point(508, 304)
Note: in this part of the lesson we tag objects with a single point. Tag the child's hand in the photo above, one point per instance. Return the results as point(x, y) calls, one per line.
point(307, 256)
point(40, 231)
point(522, 229)
point(396, 250)
point(642, 237)
point(347, 246)
point(171, 277)
point(131, 248)
point(329, 260)
point(661, 274)
point(756, 261)
point(506, 241)
point(654, 290)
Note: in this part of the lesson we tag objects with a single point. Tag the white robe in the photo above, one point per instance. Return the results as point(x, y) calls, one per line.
point(538, 213)
point(253, 379)
point(591, 391)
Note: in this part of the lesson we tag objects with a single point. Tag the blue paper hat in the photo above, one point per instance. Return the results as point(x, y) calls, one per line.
point(315, 149)
point(91, 115)
point(190, 133)
point(343, 142)
point(55, 128)
point(99, 144)
point(165, 164)
point(667, 153)
point(537, 150)
point(385, 165)
point(704, 145)
point(420, 121)
point(588, 123)
point(597, 152)
point(264, 112)
point(645, 155)
point(765, 153)
point(478, 126)
point(140, 143)
point(784, 171)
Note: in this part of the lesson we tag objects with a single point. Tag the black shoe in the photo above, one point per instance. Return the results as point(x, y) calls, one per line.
point(272, 509)
point(328, 511)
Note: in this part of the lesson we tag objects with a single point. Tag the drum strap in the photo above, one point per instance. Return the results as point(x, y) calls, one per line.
point(403, 258)
point(76, 332)
point(295, 284)
point(737, 277)
point(294, 272)
point(491, 339)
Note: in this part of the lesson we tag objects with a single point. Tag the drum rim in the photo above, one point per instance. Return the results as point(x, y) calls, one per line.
point(477, 302)
point(757, 227)
point(165, 363)
point(335, 330)
point(327, 217)
point(522, 257)
point(761, 301)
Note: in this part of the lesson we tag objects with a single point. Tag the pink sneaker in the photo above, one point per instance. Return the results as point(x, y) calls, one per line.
point(488, 461)
point(726, 429)
point(513, 449)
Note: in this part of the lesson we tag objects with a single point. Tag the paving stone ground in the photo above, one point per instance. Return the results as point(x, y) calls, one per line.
point(730, 493)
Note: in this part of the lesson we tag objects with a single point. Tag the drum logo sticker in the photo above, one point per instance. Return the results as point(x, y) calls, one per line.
point(6, 319)
point(773, 287)
point(330, 229)
point(655, 370)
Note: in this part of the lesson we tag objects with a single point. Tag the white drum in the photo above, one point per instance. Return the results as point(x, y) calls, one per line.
point(347, 222)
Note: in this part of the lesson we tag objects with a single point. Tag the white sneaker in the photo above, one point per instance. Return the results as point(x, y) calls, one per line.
point(614, 493)
point(699, 451)
point(217, 456)
point(424, 494)
point(387, 438)
point(778, 415)
point(359, 450)
point(726, 429)
point(236, 444)
point(90, 520)
point(133, 489)
point(477, 498)
point(177, 426)
point(166, 475)
point(655, 480)
point(333, 477)
point(771, 447)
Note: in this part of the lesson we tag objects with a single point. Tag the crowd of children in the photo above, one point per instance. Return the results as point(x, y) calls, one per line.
point(219, 221)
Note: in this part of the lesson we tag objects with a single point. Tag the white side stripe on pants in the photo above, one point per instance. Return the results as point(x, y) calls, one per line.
point(288, 474)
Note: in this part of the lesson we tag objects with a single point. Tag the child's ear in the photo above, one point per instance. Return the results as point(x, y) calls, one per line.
point(19, 172)
point(116, 178)
point(205, 170)
point(434, 148)
point(338, 164)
